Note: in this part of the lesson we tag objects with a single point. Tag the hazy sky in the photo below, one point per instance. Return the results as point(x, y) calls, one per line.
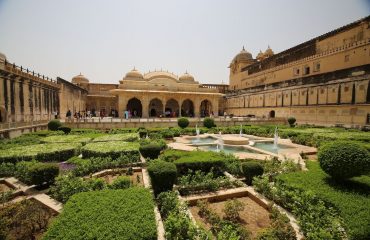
point(106, 39)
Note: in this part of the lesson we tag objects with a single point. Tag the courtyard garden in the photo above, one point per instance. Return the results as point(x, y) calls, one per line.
point(111, 183)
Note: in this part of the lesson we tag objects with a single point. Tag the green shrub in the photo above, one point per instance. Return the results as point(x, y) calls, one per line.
point(109, 214)
point(343, 160)
point(251, 170)
point(209, 122)
point(37, 173)
point(121, 182)
point(67, 185)
point(143, 133)
point(167, 134)
point(54, 124)
point(232, 209)
point(151, 150)
point(167, 202)
point(183, 122)
point(291, 121)
point(200, 163)
point(7, 169)
point(64, 129)
point(163, 175)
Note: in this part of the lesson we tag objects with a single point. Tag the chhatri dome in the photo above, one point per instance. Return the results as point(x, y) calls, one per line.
point(134, 74)
point(80, 79)
point(244, 55)
point(269, 52)
point(187, 78)
point(260, 56)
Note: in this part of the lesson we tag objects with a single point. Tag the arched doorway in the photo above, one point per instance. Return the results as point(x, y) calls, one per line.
point(187, 108)
point(272, 114)
point(172, 108)
point(155, 108)
point(205, 108)
point(134, 107)
point(2, 115)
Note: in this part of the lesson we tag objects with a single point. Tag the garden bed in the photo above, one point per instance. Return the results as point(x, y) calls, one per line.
point(112, 174)
point(254, 217)
point(350, 197)
point(25, 219)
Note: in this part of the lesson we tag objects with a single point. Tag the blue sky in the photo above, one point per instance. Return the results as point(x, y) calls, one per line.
point(106, 39)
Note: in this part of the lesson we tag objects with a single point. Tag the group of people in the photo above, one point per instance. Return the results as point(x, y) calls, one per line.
point(89, 114)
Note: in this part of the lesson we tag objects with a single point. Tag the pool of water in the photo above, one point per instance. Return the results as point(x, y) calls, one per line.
point(269, 146)
point(202, 140)
point(227, 149)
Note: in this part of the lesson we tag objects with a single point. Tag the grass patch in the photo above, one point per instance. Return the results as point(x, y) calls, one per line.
point(351, 197)
point(109, 214)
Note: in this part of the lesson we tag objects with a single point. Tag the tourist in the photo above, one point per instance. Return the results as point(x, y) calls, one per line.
point(68, 115)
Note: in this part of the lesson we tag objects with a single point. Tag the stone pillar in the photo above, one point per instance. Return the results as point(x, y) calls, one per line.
point(180, 104)
point(122, 105)
point(145, 106)
point(197, 106)
point(215, 106)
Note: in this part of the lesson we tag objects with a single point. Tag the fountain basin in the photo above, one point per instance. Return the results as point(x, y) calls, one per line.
point(235, 140)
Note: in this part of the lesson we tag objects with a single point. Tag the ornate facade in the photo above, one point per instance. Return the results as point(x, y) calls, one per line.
point(322, 81)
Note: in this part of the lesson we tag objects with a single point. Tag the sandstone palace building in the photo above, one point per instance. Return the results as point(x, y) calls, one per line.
point(324, 81)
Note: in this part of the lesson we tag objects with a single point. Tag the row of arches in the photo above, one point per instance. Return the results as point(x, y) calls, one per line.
point(171, 108)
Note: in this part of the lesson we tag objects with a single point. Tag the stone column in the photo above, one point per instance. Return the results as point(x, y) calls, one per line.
point(145, 106)
point(196, 106)
point(215, 106)
point(122, 105)
point(180, 104)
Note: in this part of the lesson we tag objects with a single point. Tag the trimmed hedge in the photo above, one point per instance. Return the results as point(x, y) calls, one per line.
point(125, 137)
point(66, 130)
point(37, 173)
point(151, 150)
point(209, 122)
point(113, 149)
point(195, 160)
point(342, 160)
point(53, 125)
point(162, 175)
point(109, 214)
point(183, 122)
point(66, 139)
point(42, 152)
point(251, 170)
point(291, 121)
